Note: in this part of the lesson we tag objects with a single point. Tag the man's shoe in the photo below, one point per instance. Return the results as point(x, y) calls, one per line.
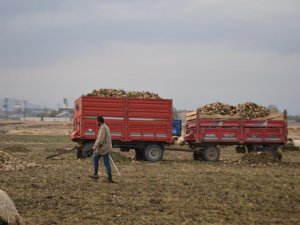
point(109, 181)
point(96, 177)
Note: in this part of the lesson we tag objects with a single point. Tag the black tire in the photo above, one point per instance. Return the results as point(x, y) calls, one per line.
point(211, 153)
point(196, 155)
point(153, 153)
point(241, 149)
point(254, 148)
point(87, 150)
point(139, 154)
point(250, 148)
point(79, 153)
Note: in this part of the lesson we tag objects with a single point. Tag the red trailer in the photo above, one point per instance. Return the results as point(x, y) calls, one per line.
point(144, 125)
point(205, 136)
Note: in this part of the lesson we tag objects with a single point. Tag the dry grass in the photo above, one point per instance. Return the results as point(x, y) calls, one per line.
point(176, 190)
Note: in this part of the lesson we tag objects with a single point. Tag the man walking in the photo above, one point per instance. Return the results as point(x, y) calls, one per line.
point(101, 148)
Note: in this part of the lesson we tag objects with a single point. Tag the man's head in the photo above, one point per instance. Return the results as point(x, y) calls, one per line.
point(100, 119)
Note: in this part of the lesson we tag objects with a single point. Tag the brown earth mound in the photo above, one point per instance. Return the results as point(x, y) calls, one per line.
point(256, 158)
point(8, 163)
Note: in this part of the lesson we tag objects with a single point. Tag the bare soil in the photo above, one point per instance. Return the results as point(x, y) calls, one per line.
point(294, 131)
point(177, 190)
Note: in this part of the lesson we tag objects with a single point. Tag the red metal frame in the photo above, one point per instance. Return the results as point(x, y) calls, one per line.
point(203, 131)
point(129, 120)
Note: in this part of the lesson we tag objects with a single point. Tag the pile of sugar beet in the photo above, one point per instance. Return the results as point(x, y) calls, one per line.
point(119, 93)
point(248, 110)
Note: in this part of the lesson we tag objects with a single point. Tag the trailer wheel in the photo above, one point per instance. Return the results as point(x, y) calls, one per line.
point(139, 154)
point(241, 149)
point(254, 148)
point(153, 153)
point(198, 155)
point(87, 149)
point(79, 152)
point(211, 153)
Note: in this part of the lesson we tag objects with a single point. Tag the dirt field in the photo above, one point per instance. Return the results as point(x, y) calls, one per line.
point(177, 190)
point(294, 131)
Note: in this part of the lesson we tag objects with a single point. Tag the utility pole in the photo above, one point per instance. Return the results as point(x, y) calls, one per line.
point(65, 104)
point(17, 106)
point(25, 108)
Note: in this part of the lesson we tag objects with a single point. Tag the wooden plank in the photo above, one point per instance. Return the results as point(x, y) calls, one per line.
point(273, 116)
point(191, 118)
point(197, 115)
point(191, 115)
point(219, 117)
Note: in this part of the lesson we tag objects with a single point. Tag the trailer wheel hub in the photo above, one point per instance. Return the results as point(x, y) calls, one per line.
point(153, 153)
point(211, 153)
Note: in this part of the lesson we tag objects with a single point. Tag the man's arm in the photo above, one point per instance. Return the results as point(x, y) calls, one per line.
point(100, 139)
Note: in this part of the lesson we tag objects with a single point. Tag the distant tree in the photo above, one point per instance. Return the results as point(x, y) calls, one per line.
point(273, 108)
point(294, 118)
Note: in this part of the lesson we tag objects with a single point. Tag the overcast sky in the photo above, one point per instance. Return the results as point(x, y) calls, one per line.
point(193, 51)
